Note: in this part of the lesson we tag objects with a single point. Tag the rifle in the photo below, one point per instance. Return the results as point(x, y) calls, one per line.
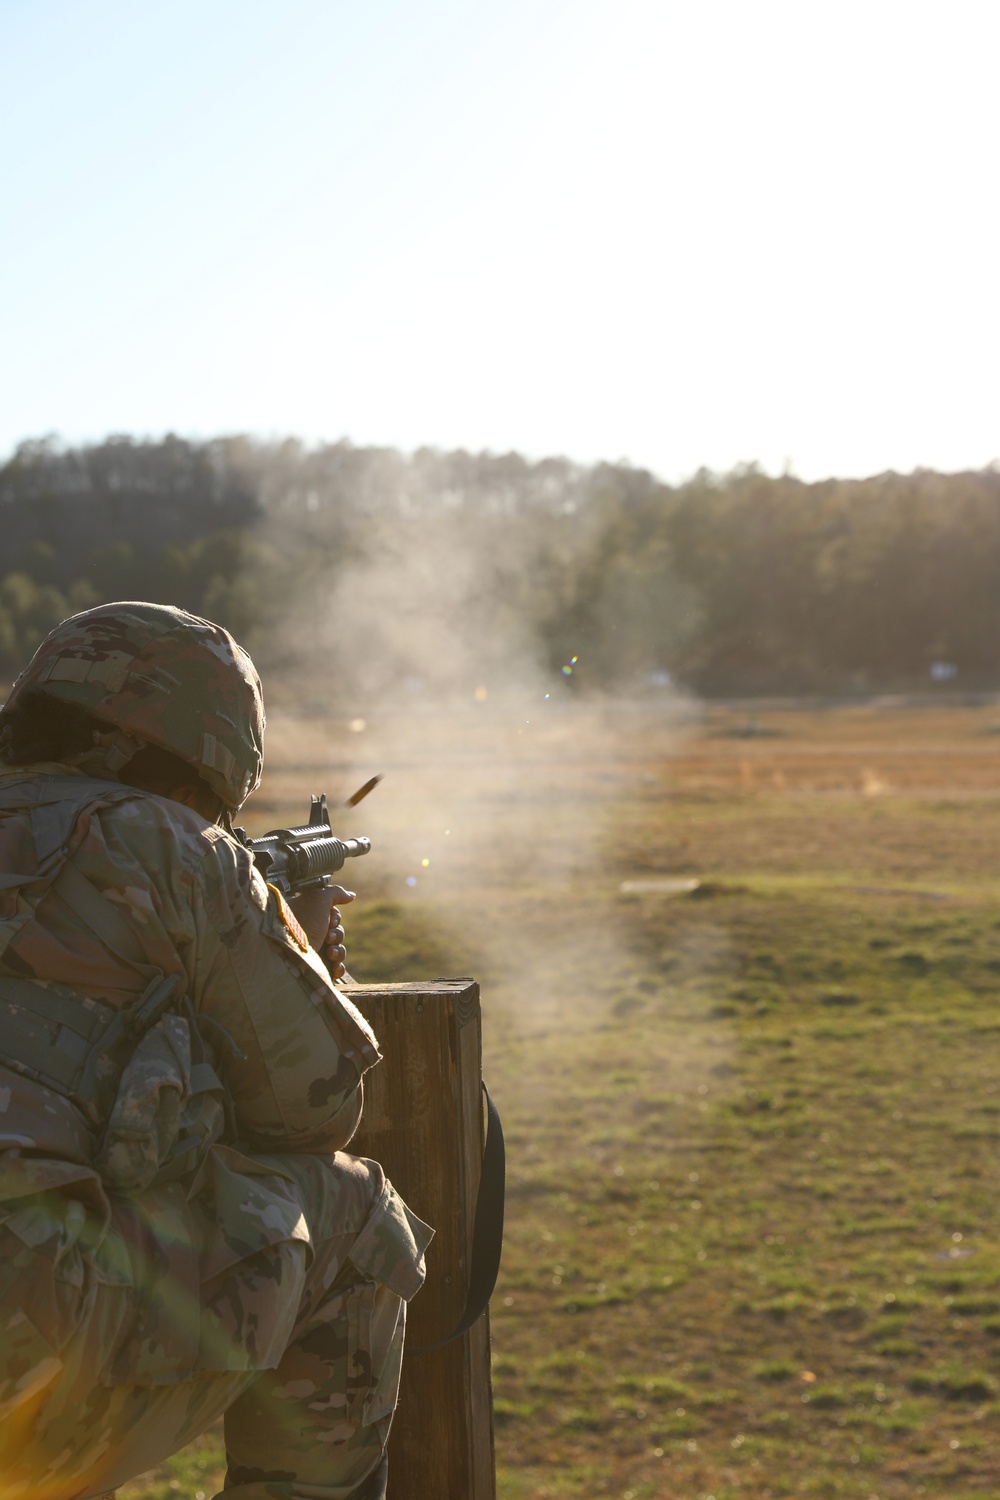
point(303, 858)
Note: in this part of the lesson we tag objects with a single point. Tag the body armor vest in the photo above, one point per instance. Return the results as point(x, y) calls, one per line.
point(142, 1075)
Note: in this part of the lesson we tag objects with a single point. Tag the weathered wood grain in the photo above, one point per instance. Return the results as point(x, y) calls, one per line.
point(423, 1120)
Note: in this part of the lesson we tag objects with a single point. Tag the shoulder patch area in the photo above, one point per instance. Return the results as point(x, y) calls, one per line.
point(287, 920)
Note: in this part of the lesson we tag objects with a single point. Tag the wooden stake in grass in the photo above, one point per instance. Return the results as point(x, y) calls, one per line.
point(423, 1120)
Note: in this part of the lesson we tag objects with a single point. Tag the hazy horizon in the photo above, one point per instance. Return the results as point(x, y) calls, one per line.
point(407, 453)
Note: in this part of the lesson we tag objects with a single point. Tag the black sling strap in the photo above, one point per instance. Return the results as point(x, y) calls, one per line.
point(487, 1233)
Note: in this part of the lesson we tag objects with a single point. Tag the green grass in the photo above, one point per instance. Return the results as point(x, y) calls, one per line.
point(773, 1197)
point(392, 941)
point(195, 1474)
point(753, 1246)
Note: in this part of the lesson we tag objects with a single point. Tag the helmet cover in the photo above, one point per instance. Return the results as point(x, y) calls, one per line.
point(166, 677)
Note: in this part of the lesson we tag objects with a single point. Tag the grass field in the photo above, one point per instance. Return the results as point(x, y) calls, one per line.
point(752, 1236)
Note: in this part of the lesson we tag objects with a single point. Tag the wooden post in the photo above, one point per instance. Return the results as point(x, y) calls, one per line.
point(423, 1120)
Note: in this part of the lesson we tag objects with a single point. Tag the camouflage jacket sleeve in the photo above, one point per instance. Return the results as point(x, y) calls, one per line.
point(305, 1047)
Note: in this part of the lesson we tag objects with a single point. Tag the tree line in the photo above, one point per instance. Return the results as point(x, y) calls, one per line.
point(377, 569)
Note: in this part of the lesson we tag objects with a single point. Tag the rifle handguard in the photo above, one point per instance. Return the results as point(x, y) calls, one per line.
point(301, 859)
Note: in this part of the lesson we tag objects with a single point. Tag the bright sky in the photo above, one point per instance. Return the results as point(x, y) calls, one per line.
point(681, 232)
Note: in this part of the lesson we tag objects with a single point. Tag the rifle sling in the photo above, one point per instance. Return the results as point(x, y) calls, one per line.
point(487, 1233)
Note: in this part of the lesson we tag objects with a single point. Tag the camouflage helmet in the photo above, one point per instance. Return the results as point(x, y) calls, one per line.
point(165, 677)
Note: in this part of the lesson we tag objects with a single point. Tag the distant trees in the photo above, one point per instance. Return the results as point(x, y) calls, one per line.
point(375, 568)
point(619, 602)
point(846, 584)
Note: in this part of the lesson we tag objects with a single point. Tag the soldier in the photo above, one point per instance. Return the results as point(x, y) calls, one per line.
point(181, 1233)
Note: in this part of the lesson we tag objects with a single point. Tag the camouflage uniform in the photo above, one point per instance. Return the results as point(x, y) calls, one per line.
point(179, 1265)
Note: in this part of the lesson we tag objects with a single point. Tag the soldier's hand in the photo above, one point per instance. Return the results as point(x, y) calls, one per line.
point(333, 952)
point(321, 919)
